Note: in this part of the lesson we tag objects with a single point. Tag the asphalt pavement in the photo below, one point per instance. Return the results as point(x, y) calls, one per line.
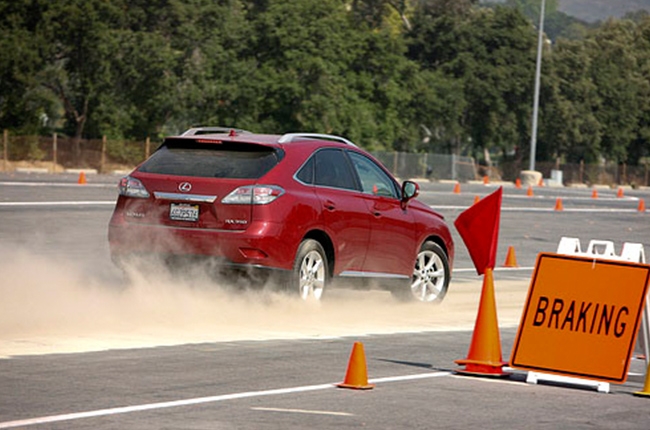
point(54, 229)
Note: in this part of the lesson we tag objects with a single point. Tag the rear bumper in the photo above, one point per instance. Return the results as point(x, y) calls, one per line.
point(258, 245)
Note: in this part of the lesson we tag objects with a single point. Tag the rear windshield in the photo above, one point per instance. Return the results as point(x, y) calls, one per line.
point(225, 160)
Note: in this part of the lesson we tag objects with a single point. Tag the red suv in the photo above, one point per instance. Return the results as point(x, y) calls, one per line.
point(315, 207)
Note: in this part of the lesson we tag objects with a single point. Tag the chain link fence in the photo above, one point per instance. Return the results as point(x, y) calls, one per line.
point(56, 153)
point(429, 166)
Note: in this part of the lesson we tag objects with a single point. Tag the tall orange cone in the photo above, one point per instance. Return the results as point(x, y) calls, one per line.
point(529, 192)
point(356, 376)
point(511, 259)
point(619, 193)
point(641, 207)
point(518, 183)
point(82, 178)
point(484, 356)
point(558, 204)
point(594, 194)
point(457, 188)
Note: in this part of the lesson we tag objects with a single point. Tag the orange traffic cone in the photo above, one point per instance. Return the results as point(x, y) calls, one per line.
point(82, 178)
point(619, 193)
point(476, 199)
point(486, 180)
point(594, 194)
point(558, 204)
point(641, 207)
point(541, 182)
point(511, 259)
point(356, 376)
point(529, 192)
point(457, 188)
point(484, 356)
point(518, 183)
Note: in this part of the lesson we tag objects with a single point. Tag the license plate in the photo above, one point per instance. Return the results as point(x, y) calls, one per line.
point(184, 212)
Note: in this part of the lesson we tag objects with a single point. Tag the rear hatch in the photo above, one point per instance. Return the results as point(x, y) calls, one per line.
point(188, 179)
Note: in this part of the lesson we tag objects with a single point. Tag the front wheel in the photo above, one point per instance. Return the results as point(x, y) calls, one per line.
point(431, 276)
point(310, 270)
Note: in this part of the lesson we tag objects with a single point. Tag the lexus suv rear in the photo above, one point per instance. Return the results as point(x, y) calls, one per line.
point(312, 207)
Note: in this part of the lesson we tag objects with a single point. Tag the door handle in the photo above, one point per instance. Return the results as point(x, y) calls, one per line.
point(329, 205)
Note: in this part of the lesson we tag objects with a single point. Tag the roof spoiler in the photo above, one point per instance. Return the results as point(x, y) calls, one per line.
point(194, 131)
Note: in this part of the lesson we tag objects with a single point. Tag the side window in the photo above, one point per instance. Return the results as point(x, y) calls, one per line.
point(306, 173)
point(373, 179)
point(332, 169)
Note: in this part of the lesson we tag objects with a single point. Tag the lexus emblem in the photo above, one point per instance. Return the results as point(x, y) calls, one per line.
point(185, 187)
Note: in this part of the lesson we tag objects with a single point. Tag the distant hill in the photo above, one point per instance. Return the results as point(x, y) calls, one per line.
point(600, 10)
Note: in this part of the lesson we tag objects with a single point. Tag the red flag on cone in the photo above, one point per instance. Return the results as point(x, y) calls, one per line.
point(479, 227)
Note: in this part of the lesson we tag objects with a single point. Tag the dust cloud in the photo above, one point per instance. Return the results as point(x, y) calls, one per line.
point(53, 305)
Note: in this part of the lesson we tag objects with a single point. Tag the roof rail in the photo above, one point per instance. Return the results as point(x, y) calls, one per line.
point(290, 137)
point(210, 130)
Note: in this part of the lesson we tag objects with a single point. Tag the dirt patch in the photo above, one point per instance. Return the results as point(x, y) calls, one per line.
point(51, 306)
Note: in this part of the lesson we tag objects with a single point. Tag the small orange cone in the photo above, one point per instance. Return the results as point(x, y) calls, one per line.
point(486, 180)
point(641, 207)
point(484, 356)
point(518, 183)
point(541, 182)
point(476, 199)
point(529, 192)
point(558, 204)
point(82, 178)
point(594, 194)
point(356, 376)
point(619, 193)
point(511, 259)
point(457, 188)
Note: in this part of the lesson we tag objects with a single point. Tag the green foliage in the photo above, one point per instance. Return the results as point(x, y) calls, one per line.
point(438, 75)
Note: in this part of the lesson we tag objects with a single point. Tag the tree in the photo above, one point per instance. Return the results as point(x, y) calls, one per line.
point(568, 128)
point(491, 53)
point(23, 107)
point(77, 56)
point(620, 86)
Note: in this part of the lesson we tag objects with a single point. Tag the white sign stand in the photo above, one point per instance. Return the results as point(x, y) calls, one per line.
point(602, 249)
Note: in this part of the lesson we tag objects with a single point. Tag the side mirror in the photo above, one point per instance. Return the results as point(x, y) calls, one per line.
point(410, 190)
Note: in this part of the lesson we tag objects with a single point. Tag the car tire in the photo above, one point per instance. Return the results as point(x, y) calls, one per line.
point(310, 270)
point(431, 276)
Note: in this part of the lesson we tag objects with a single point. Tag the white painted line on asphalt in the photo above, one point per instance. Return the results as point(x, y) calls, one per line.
point(68, 203)
point(492, 380)
point(408, 377)
point(541, 209)
point(304, 411)
point(57, 184)
point(195, 401)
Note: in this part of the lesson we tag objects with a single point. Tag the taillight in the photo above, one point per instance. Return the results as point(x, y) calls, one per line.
point(132, 187)
point(253, 195)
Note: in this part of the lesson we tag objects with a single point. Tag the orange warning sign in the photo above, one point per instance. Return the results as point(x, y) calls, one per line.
point(581, 317)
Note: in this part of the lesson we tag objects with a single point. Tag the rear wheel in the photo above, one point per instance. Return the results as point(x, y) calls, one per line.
point(431, 275)
point(310, 270)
